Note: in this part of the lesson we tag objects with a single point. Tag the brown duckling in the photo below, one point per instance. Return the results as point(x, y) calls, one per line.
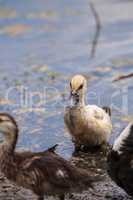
point(44, 173)
point(120, 160)
point(89, 125)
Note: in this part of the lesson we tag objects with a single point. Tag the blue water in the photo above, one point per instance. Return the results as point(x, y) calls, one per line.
point(42, 44)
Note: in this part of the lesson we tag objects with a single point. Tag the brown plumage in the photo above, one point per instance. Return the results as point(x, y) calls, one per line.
point(120, 160)
point(45, 173)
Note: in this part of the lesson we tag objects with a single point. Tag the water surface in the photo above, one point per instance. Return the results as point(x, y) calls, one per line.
point(42, 44)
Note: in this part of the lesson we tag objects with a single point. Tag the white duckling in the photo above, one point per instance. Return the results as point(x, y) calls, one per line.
point(89, 125)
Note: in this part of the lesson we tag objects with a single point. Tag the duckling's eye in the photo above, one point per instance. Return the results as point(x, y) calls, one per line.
point(1, 120)
point(80, 87)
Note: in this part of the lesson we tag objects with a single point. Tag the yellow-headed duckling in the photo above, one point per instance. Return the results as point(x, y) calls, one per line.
point(89, 125)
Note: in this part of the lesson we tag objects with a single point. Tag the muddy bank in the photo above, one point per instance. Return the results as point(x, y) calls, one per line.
point(96, 162)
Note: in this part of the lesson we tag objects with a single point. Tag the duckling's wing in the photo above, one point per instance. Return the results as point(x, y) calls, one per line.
point(96, 112)
point(56, 172)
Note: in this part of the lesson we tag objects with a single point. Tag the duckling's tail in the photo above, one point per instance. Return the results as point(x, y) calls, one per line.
point(107, 110)
point(53, 148)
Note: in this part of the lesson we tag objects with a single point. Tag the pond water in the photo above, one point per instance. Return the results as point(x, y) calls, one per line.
point(42, 44)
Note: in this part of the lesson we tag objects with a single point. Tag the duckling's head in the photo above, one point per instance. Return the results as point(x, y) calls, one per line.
point(8, 126)
point(78, 86)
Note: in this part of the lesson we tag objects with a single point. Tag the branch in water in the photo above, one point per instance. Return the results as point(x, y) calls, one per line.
point(97, 32)
point(123, 77)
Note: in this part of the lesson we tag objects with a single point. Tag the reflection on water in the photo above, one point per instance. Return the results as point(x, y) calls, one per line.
point(43, 43)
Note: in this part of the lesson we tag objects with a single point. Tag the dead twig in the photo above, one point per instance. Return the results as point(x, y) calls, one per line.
point(123, 77)
point(97, 32)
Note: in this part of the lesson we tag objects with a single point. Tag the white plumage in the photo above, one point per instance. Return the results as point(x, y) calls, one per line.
point(88, 124)
point(119, 142)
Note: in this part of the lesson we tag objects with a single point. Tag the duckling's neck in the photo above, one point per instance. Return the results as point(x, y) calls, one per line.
point(10, 141)
point(80, 101)
point(7, 165)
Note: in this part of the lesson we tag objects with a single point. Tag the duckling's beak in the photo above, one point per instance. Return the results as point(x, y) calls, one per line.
point(74, 95)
